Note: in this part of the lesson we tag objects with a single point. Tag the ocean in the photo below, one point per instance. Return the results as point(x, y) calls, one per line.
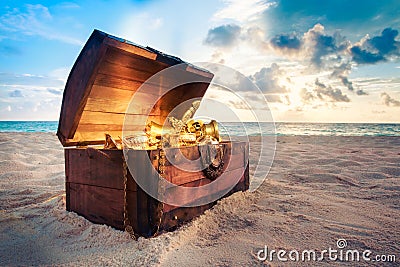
point(249, 128)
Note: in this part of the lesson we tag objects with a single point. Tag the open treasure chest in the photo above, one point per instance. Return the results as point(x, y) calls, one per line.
point(135, 157)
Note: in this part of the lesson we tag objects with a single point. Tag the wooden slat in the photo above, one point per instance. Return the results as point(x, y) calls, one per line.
point(147, 220)
point(107, 128)
point(177, 174)
point(195, 183)
point(97, 204)
point(129, 84)
point(67, 197)
point(130, 48)
point(132, 208)
point(168, 79)
point(124, 72)
point(222, 183)
point(97, 167)
point(142, 103)
point(108, 80)
point(96, 138)
point(178, 216)
point(199, 72)
point(181, 94)
point(120, 57)
point(75, 94)
point(95, 117)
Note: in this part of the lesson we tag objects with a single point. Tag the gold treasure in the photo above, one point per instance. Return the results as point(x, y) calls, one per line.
point(192, 133)
point(182, 132)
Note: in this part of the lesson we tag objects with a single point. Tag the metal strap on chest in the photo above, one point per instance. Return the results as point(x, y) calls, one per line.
point(127, 226)
point(160, 207)
point(161, 169)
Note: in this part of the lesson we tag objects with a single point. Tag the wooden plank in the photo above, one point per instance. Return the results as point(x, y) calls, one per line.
point(108, 80)
point(76, 90)
point(142, 103)
point(124, 72)
point(196, 183)
point(168, 79)
point(179, 175)
point(117, 56)
point(132, 208)
point(111, 42)
point(67, 197)
point(110, 92)
point(107, 128)
point(66, 165)
point(96, 138)
point(147, 222)
point(128, 84)
point(198, 71)
point(95, 117)
point(220, 184)
point(244, 182)
point(178, 216)
point(120, 57)
point(97, 204)
point(78, 166)
point(97, 167)
point(180, 94)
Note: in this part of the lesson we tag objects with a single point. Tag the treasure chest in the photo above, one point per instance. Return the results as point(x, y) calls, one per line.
point(129, 163)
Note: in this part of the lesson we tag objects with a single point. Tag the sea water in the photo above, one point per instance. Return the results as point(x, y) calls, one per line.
point(249, 128)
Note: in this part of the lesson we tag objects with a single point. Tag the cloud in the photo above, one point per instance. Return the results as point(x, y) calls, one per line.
point(386, 43)
point(55, 91)
point(306, 95)
point(288, 41)
point(335, 95)
point(273, 98)
point(223, 36)
point(34, 20)
point(68, 5)
point(378, 48)
point(354, 18)
point(238, 104)
point(241, 11)
point(30, 80)
point(362, 56)
point(16, 93)
point(315, 47)
point(323, 47)
point(389, 101)
point(267, 79)
point(30, 96)
point(217, 57)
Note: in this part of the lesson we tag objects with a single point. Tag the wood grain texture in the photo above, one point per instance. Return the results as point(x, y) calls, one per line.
point(178, 216)
point(130, 48)
point(97, 204)
point(81, 77)
point(94, 187)
point(103, 168)
point(107, 73)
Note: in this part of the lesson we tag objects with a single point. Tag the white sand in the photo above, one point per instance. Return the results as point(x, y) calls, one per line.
point(320, 189)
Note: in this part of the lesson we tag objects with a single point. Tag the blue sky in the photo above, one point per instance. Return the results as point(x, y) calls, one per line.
point(321, 61)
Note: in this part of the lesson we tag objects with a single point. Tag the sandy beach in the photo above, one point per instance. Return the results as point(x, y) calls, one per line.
point(319, 190)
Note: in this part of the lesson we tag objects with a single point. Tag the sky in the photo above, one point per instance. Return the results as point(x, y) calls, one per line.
point(314, 61)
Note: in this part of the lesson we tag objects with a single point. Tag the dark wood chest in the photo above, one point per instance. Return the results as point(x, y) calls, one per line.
point(99, 184)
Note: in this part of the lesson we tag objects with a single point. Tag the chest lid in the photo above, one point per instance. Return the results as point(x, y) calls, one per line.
point(105, 76)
